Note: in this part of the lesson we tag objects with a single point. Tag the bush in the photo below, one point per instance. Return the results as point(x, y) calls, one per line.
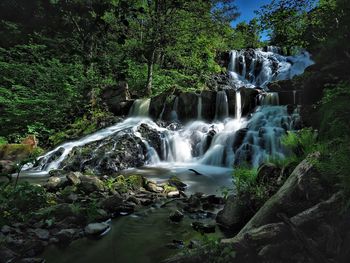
point(19, 203)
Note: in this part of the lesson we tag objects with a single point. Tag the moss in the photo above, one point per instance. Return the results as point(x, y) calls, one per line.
point(15, 152)
point(135, 181)
point(169, 188)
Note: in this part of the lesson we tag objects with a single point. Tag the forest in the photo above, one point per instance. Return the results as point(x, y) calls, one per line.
point(166, 131)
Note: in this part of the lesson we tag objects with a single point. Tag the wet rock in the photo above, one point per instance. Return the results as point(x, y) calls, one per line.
point(176, 182)
point(175, 244)
point(152, 136)
point(187, 106)
point(176, 216)
point(31, 260)
point(74, 178)
point(249, 100)
point(203, 228)
point(173, 194)
point(234, 215)
point(65, 236)
point(113, 203)
point(153, 187)
point(42, 234)
point(54, 183)
point(91, 184)
point(239, 138)
point(6, 229)
point(208, 105)
point(6, 255)
point(96, 229)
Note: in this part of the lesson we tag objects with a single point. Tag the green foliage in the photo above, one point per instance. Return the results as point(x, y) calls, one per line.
point(302, 142)
point(3, 141)
point(244, 178)
point(19, 203)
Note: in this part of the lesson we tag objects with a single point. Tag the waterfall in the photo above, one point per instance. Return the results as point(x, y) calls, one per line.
point(224, 142)
point(174, 111)
point(140, 107)
point(199, 107)
point(294, 97)
point(265, 66)
point(221, 110)
point(238, 111)
point(270, 98)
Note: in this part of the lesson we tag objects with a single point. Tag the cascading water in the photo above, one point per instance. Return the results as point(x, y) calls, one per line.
point(265, 66)
point(221, 111)
point(140, 107)
point(224, 142)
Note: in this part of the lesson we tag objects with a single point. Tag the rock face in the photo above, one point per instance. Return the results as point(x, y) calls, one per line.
point(208, 105)
point(118, 98)
point(187, 108)
point(128, 151)
point(249, 100)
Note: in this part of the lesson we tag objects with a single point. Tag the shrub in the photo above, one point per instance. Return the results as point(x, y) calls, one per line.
point(19, 203)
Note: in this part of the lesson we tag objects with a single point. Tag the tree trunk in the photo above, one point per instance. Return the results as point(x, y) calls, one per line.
point(150, 64)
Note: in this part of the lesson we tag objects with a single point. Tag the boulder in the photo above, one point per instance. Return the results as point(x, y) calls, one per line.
point(15, 152)
point(42, 234)
point(66, 236)
point(96, 229)
point(176, 216)
point(235, 214)
point(113, 203)
point(203, 228)
point(91, 184)
point(153, 187)
point(54, 183)
point(74, 178)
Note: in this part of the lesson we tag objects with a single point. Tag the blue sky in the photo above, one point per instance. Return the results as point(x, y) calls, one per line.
point(247, 8)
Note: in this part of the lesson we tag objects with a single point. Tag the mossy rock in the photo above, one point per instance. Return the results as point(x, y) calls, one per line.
point(169, 188)
point(135, 182)
point(15, 152)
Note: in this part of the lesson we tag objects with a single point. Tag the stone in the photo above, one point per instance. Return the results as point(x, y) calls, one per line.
point(176, 216)
point(90, 184)
point(42, 234)
point(153, 187)
point(6, 229)
point(235, 214)
point(32, 260)
point(187, 106)
point(54, 183)
point(175, 244)
point(173, 194)
point(7, 255)
point(176, 182)
point(65, 236)
point(74, 178)
point(7, 167)
point(96, 229)
point(203, 228)
point(113, 203)
point(117, 98)
point(15, 152)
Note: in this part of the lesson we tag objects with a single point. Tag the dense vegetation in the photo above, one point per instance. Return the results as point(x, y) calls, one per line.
point(57, 56)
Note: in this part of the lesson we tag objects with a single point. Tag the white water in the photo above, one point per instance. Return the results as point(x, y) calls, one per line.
point(218, 143)
point(140, 107)
point(221, 111)
point(265, 66)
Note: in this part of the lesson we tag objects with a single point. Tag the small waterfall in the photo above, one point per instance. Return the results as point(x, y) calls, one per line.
point(199, 107)
point(270, 98)
point(238, 111)
point(265, 66)
point(173, 113)
point(221, 110)
point(294, 97)
point(140, 107)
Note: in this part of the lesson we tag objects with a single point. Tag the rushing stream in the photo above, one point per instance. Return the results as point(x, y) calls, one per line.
point(210, 148)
